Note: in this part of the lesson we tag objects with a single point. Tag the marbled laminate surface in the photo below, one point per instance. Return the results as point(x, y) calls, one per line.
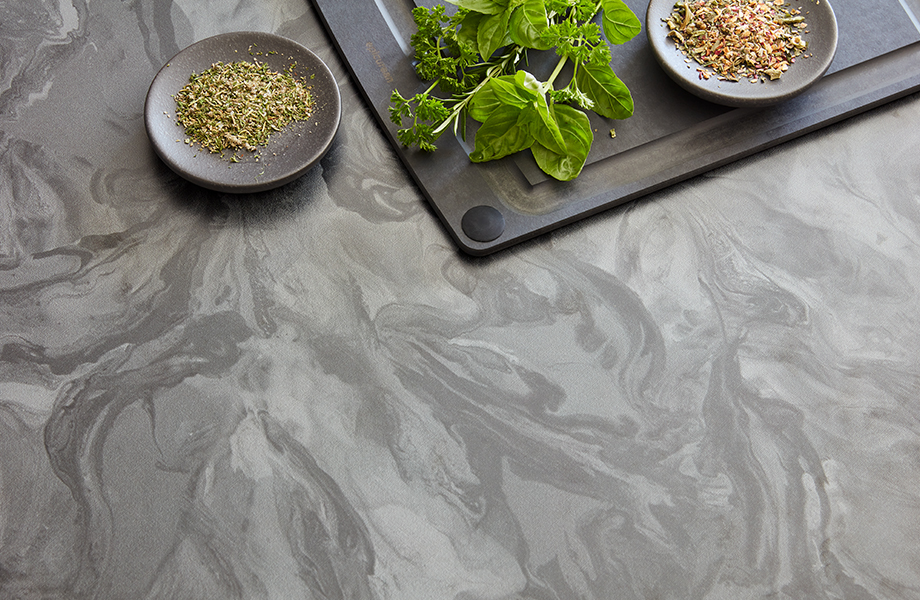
point(309, 393)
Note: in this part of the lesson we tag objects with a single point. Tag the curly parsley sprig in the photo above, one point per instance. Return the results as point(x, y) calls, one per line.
point(474, 57)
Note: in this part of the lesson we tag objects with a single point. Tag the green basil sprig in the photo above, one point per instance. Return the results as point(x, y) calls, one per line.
point(474, 57)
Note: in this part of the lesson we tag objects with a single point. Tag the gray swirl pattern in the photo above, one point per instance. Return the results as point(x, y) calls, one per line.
point(711, 393)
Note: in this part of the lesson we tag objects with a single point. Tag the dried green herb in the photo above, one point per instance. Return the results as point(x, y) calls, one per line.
point(738, 39)
point(239, 105)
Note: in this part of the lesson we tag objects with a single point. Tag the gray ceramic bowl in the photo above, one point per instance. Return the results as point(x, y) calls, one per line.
point(822, 43)
point(289, 153)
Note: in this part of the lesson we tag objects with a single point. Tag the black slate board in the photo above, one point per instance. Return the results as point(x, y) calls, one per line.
point(671, 137)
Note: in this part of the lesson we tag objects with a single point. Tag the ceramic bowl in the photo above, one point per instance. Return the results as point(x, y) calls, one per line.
point(821, 37)
point(289, 153)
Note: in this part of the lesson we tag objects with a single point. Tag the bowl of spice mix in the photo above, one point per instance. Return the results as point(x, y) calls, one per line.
point(743, 53)
point(242, 112)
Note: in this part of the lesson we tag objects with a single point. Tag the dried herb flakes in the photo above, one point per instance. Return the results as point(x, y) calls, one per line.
point(738, 39)
point(238, 105)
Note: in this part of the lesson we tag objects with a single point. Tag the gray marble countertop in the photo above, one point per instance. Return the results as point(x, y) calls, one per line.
point(711, 393)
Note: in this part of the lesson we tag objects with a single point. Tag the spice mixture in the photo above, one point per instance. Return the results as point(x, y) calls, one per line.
point(738, 39)
point(239, 105)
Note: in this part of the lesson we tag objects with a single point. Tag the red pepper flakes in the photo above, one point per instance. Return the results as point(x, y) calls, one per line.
point(738, 39)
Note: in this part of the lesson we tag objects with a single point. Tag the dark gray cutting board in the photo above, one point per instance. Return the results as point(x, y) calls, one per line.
point(672, 135)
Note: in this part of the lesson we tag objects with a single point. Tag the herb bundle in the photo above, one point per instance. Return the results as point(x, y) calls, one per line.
point(738, 39)
point(239, 105)
point(474, 57)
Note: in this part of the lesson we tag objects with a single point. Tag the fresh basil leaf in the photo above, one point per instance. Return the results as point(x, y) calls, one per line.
point(527, 22)
point(576, 129)
point(600, 84)
point(505, 132)
point(620, 23)
point(544, 127)
point(469, 28)
point(516, 90)
point(509, 92)
point(493, 34)
point(483, 103)
point(486, 7)
point(528, 84)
